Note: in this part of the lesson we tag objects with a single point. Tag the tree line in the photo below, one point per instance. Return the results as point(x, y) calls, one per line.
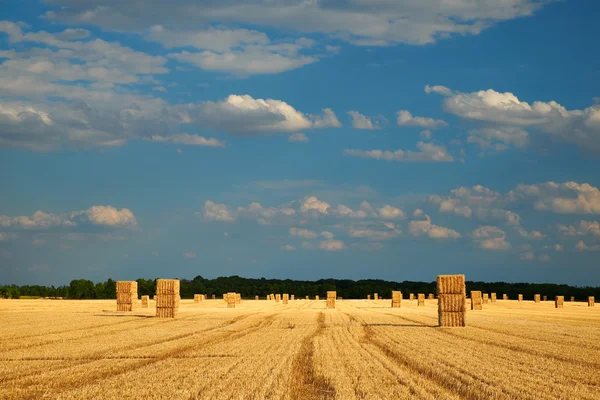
point(250, 287)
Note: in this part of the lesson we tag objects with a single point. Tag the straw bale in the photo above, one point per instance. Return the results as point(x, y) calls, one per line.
point(545, 298)
point(396, 298)
point(486, 298)
point(126, 298)
point(536, 298)
point(331, 299)
point(368, 297)
point(476, 300)
point(375, 296)
point(306, 298)
point(591, 301)
point(559, 301)
point(451, 302)
point(572, 299)
point(285, 298)
point(145, 300)
point(520, 298)
point(493, 297)
point(255, 297)
point(292, 297)
point(238, 298)
point(166, 312)
point(167, 300)
point(196, 298)
point(230, 297)
point(277, 297)
point(167, 286)
point(452, 319)
point(430, 296)
point(124, 307)
point(317, 297)
point(504, 297)
point(214, 297)
point(421, 299)
point(451, 283)
point(411, 296)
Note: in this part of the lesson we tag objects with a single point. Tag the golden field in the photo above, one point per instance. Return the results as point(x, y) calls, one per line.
point(364, 349)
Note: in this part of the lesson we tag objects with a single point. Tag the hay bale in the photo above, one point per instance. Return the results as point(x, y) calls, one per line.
point(368, 297)
point(255, 297)
point(421, 299)
point(545, 298)
point(476, 300)
point(317, 297)
point(430, 296)
point(486, 298)
point(292, 297)
point(452, 311)
point(285, 298)
point(411, 296)
point(559, 301)
point(127, 295)
point(167, 298)
point(375, 296)
point(231, 299)
point(572, 299)
point(225, 297)
point(330, 299)
point(396, 298)
point(536, 298)
point(493, 297)
point(238, 298)
point(504, 297)
point(145, 301)
point(520, 298)
point(277, 297)
point(214, 297)
point(306, 298)
point(591, 301)
point(197, 298)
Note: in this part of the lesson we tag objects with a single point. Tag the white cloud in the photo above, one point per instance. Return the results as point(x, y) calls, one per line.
point(372, 234)
point(331, 245)
point(389, 212)
point(6, 235)
point(426, 228)
point(345, 211)
point(217, 212)
point(189, 255)
point(298, 137)
point(405, 118)
point(442, 90)
point(485, 137)
point(561, 198)
point(425, 134)
point(428, 152)
point(311, 203)
point(360, 121)
point(304, 233)
point(214, 39)
point(190, 140)
point(581, 229)
point(110, 216)
point(490, 238)
point(581, 246)
point(535, 235)
point(96, 215)
point(327, 235)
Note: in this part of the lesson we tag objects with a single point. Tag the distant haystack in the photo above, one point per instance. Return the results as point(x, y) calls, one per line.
point(127, 295)
point(214, 297)
point(504, 297)
point(306, 298)
point(238, 298)
point(451, 300)
point(368, 297)
point(411, 296)
point(520, 298)
point(545, 298)
point(396, 299)
point(486, 298)
point(375, 296)
point(285, 298)
point(167, 298)
point(536, 298)
point(591, 301)
point(145, 301)
point(197, 298)
point(230, 298)
point(493, 297)
point(431, 296)
point(559, 301)
point(292, 297)
point(476, 300)
point(572, 299)
point(421, 299)
point(317, 297)
point(330, 299)
point(277, 298)
point(255, 297)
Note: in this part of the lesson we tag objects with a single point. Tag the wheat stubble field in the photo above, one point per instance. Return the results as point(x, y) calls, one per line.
point(265, 350)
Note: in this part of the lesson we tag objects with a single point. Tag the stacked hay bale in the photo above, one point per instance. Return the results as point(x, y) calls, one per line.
point(238, 298)
point(559, 301)
point(520, 298)
point(306, 298)
point(431, 296)
point(486, 298)
point(572, 299)
point(292, 297)
point(145, 301)
point(545, 298)
point(277, 297)
point(225, 297)
point(330, 299)
point(154, 298)
point(197, 298)
point(504, 297)
point(375, 296)
point(231, 299)
point(317, 297)
point(285, 298)
point(411, 296)
point(167, 298)
point(451, 300)
point(421, 299)
point(476, 300)
point(255, 297)
point(536, 298)
point(493, 298)
point(127, 295)
point(396, 298)
point(591, 301)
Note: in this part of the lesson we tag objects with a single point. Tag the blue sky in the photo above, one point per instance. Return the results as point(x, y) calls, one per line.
point(351, 139)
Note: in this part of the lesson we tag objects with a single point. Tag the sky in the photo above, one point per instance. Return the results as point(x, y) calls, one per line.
point(300, 139)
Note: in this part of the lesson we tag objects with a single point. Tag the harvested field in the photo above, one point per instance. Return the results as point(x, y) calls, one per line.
point(361, 349)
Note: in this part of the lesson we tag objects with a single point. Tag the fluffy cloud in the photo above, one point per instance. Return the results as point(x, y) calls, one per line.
point(372, 234)
point(582, 229)
point(534, 235)
point(356, 22)
point(360, 121)
point(561, 198)
point(428, 152)
point(189, 140)
point(426, 228)
point(110, 216)
point(303, 233)
point(311, 203)
point(490, 238)
point(331, 245)
point(217, 212)
point(508, 116)
point(96, 215)
point(405, 118)
point(389, 212)
point(581, 246)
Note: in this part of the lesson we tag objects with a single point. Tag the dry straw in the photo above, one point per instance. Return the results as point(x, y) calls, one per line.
point(285, 298)
point(411, 296)
point(572, 299)
point(431, 296)
point(486, 298)
point(476, 300)
point(591, 301)
point(559, 301)
point(214, 297)
point(127, 295)
point(238, 298)
point(317, 297)
point(375, 296)
point(451, 300)
point(306, 298)
point(520, 298)
point(145, 300)
point(421, 299)
point(545, 298)
point(396, 298)
point(255, 297)
point(230, 298)
point(167, 298)
point(330, 299)
point(292, 297)
point(493, 297)
point(368, 297)
point(197, 298)
point(536, 298)
point(504, 297)
point(277, 297)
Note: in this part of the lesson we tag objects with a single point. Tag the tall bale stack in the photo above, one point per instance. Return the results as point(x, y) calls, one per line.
point(225, 297)
point(545, 298)
point(375, 296)
point(230, 298)
point(145, 301)
point(285, 298)
point(292, 297)
point(396, 298)
point(127, 295)
point(572, 299)
point(197, 298)
point(451, 300)
point(559, 301)
point(411, 296)
point(330, 299)
point(536, 298)
point(504, 297)
point(277, 297)
point(238, 298)
point(591, 301)
point(520, 298)
point(167, 298)
point(421, 299)
point(476, 300)
point(493, 298)
point(486, 298)
point(317, 297)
